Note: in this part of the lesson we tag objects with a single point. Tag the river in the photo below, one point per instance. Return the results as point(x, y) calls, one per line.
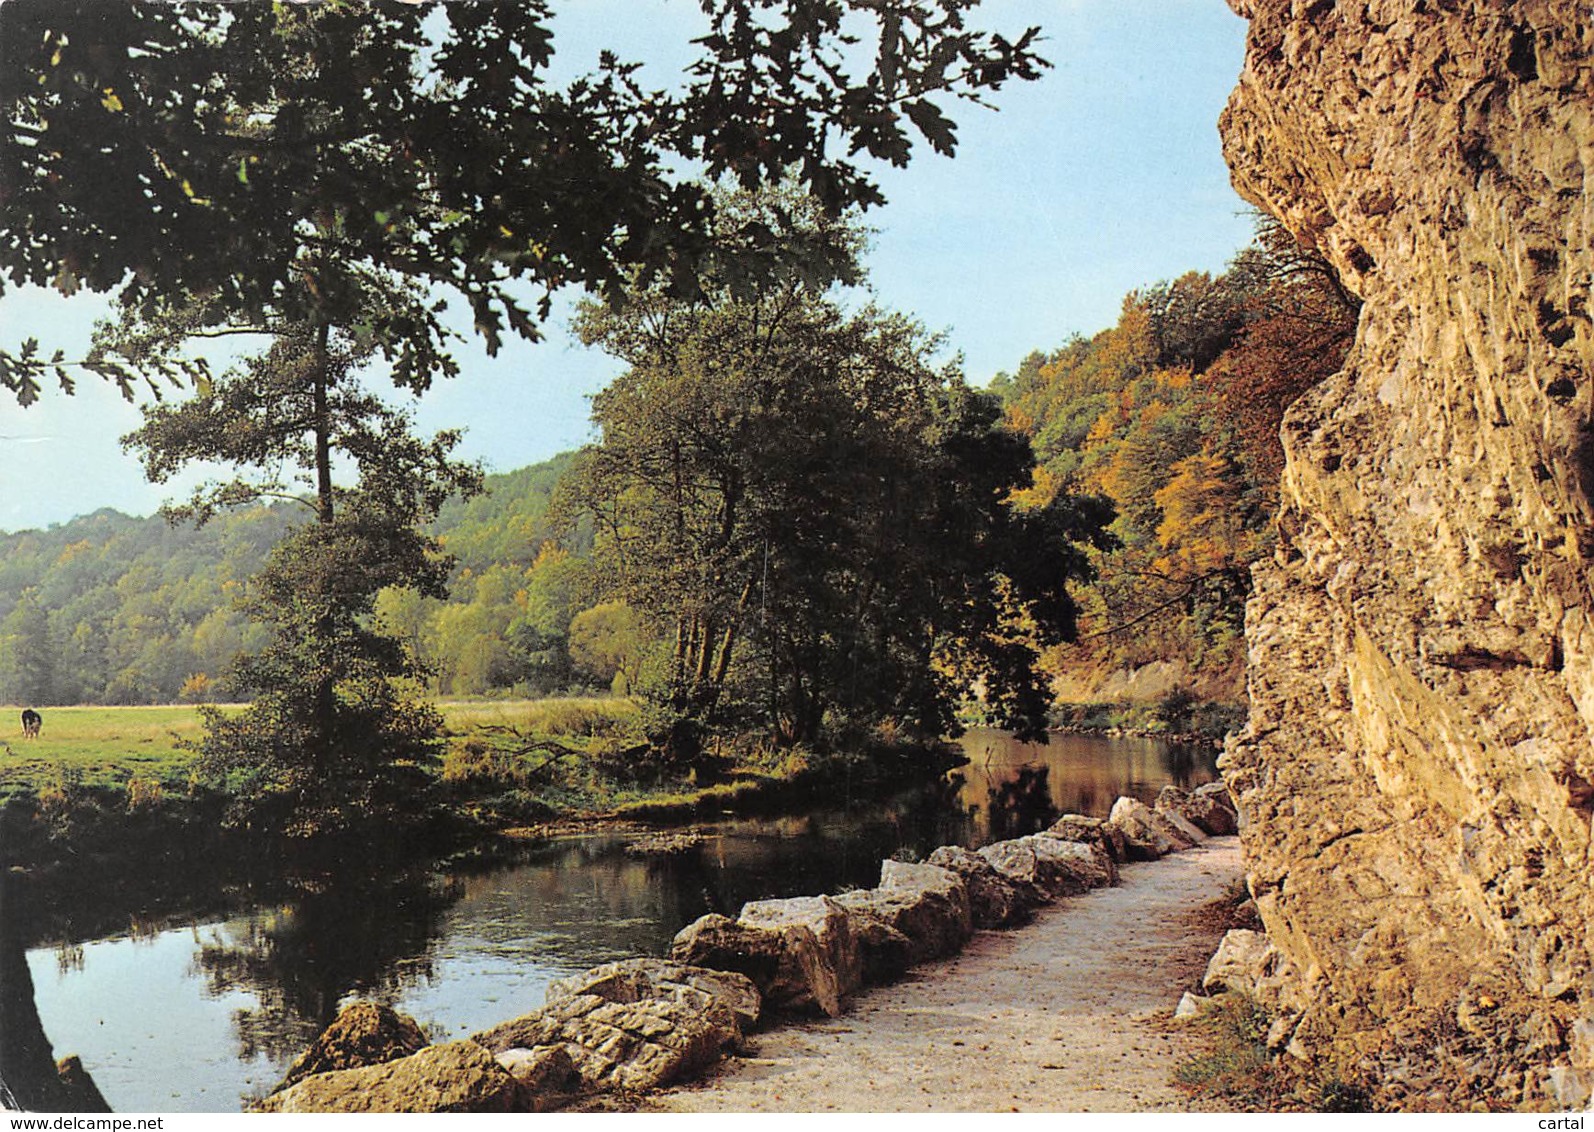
point(201, 1013)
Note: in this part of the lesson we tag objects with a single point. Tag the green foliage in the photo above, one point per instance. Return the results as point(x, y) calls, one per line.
point(139, 611)
point(814, 520)
point(331, 740)
point(202, 150)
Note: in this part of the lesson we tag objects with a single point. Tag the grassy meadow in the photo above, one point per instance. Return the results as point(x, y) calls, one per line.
point(109, 747)
point(96, 747)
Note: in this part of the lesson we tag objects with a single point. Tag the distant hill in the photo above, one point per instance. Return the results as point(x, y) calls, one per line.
point(118, 610)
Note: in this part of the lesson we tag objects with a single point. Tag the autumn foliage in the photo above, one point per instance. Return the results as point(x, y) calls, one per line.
point(1173, 416)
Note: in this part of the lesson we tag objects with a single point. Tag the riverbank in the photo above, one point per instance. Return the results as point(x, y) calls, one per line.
point(1174, 719)
point(1071, 1013)
point(87, 852)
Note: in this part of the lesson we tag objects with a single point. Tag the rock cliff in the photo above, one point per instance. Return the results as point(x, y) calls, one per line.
point(1417, 775)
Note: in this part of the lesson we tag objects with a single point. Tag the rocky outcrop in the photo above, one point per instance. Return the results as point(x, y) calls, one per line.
point(457, 1077)
point(1417, 776)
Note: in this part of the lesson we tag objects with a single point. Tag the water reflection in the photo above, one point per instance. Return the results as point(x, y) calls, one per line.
point(198, 1016)
point(298, 962)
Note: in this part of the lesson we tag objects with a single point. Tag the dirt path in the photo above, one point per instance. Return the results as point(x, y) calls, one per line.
point(1066, 1014)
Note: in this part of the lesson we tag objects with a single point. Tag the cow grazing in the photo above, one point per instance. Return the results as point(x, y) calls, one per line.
point(31, 722)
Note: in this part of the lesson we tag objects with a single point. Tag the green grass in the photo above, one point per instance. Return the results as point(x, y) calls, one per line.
point(564, 715)
point(96, 747)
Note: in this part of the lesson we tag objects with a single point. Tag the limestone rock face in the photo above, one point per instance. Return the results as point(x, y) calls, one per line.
point(457, 1077)
point(1415, 779)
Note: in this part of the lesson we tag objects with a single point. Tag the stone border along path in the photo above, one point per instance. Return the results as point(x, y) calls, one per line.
point(1058, 1015)
point(1066, 1014)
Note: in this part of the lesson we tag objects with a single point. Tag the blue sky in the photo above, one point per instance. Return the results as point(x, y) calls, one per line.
point(1104, 176)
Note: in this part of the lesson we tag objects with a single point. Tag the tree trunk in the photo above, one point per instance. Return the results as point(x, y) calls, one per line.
point(321, 359)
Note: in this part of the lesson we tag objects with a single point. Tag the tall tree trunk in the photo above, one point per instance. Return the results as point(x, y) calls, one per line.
point(325, 704)
point(321, 359)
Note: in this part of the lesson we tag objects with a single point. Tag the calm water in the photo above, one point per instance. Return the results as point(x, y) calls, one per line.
point(196, 1016)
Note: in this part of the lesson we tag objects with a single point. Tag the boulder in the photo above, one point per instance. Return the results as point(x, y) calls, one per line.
point(885, 952)
point(1051, 866)
point(942, 888)
point(787, 965)
point(1077, 865)
point(363, 1034)
point(456, 1077)
point(729, 993)
point(546, 1076)
point(1245, 963)
point(1150, 834)
point(618, 1045)
point(1186, 828)
point(928, 906)
point(1018, 863)
point(1205, 811)
point(1078, 827)
point(831, 928)
point(994, 901)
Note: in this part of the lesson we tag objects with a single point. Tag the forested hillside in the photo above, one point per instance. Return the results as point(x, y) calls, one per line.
point(1173, 415)
point(116, 610)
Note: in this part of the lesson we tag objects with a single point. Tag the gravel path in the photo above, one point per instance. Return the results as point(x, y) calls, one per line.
point(1068, 1014)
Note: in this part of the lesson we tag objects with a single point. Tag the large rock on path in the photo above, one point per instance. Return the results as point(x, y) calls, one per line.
point(457, 1077)
point(927, 905)
point(994, 901)
point(1099, 831)
point(363, 1034)
point(786, 963)
point(618, 1045)
point(1151, 835)
point(1209, 810)
point(730, 995)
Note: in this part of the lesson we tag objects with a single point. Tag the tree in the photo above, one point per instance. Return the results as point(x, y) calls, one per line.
point(160, 150)
point(816, 520)
point(609, 643)
point(27, 658)
point(1300, 327)
point(332, 740)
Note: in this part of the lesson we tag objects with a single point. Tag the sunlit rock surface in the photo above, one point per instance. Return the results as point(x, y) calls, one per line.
point(457, 1077)
point(1415, 779)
